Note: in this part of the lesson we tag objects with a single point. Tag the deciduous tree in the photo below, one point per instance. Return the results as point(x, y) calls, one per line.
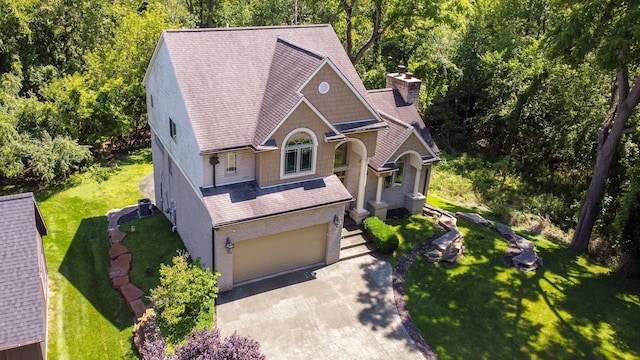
point(606, 33)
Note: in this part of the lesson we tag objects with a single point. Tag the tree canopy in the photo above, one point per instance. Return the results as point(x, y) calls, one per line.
point(545, 89)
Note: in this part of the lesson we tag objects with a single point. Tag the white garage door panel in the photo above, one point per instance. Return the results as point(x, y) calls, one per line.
point(279, 252)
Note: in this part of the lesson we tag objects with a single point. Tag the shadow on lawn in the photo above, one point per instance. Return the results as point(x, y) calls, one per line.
point(86, 266)
point(479, 308)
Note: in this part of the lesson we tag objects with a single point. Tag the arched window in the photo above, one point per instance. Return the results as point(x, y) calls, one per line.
point(299, 153)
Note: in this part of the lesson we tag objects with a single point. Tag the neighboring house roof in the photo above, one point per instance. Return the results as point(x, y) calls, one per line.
point(237, 83)
point(246, 201)
point(403, 120)
point(22, 302)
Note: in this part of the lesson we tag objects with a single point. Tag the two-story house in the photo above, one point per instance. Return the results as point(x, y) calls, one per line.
point(264, 137)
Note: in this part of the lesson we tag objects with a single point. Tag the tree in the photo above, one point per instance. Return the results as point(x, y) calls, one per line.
point(607, 34)
point(367, 21)
point(186, 291)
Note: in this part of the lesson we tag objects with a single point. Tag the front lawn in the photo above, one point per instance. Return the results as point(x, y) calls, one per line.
point(481, 309)
point(87, 318)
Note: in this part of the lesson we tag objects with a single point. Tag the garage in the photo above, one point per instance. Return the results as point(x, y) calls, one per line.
point(279, 252)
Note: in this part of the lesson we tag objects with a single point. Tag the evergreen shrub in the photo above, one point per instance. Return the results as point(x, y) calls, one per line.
point(382, 235)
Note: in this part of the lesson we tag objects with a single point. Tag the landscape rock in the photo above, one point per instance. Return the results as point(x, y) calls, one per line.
point(448, 222)
point(475, 218)
point(146, 330)
point(122, 263)
point(446, 240)
point(130, 292)
point(527, 258)
point(117, 250)
point(523, 243)
point(504, 231)
point(137, 307)
point(116, 235)
point(434, 256)
point(118, 281)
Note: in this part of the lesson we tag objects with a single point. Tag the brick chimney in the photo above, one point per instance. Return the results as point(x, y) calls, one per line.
point(406, 84)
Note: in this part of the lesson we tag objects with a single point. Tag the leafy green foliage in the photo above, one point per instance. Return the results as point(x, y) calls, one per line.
point(186, 291)
point(381, 234)
point(209, 344)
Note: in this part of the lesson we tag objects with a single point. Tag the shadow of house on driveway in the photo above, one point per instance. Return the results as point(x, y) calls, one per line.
point(86, 267)
point(347, 312)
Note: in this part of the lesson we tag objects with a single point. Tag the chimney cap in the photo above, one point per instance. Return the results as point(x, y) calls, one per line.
point(402, 69)
point(408, 75)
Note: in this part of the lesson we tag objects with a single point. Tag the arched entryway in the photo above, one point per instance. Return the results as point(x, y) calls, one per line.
point(350, 165)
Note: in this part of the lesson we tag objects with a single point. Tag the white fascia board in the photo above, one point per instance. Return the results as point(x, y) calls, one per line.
point(152, 62)
point(313, 108)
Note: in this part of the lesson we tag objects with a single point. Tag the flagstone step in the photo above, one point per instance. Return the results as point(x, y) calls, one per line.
point(351, 241)
point(356, 251)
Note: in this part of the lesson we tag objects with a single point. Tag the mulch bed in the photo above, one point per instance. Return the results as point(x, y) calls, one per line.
point(399, 273)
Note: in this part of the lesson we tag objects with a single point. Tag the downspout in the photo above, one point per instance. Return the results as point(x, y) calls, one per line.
point(213, 160)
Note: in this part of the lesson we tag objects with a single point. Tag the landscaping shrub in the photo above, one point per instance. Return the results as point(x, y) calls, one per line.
point(208, 344)
point(186, 292)
point(382, 235)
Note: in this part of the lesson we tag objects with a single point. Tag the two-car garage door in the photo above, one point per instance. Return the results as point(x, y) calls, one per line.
point(279, 252)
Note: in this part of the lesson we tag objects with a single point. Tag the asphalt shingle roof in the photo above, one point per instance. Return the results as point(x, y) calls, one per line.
point(229, 77)
point(390, 104)
point(22, 302)
point(246, 201)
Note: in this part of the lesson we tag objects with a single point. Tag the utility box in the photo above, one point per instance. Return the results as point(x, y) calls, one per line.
point(145, 208)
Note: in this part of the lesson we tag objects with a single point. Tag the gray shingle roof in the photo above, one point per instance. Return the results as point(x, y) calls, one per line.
point(22, 302)
point(389, 103)
point(228, 77)
point(246, 201)
point(290, 68)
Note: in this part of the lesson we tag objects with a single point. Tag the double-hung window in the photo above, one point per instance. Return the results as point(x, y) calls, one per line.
point(231, 163)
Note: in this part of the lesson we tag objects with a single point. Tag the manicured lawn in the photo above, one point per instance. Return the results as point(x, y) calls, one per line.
point(87, 318)
point(481, 309)
point(151, 244)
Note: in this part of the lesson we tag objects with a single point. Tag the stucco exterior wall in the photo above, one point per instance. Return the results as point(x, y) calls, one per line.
point(245, 168)
point(168, 103)
point(254, 229)
point(338, 105)
point(192, 220)
point(269, 163)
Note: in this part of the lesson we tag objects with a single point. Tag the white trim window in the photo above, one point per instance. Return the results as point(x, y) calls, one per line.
point(395, 179)
point(299, 154)
point(232, 163)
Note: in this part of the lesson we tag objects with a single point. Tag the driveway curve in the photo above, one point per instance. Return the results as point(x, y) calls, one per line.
point(341, 311)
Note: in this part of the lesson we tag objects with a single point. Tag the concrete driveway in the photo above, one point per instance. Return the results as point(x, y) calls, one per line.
point(341, 311)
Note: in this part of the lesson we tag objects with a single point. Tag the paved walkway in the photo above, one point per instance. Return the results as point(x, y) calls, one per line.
point(342, 311)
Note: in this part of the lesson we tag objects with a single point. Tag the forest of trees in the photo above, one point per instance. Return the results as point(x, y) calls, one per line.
point(543, 90)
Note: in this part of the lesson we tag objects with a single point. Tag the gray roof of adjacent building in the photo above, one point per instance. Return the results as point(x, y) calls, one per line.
point(22, 297)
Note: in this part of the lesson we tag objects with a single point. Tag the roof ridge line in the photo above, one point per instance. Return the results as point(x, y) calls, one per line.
point(300, 48)
point(396, 120)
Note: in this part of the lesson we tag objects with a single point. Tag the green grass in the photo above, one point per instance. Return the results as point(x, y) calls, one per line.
point(87, 318)
point(150, 245)
point(481, 309)
point(411, 232)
